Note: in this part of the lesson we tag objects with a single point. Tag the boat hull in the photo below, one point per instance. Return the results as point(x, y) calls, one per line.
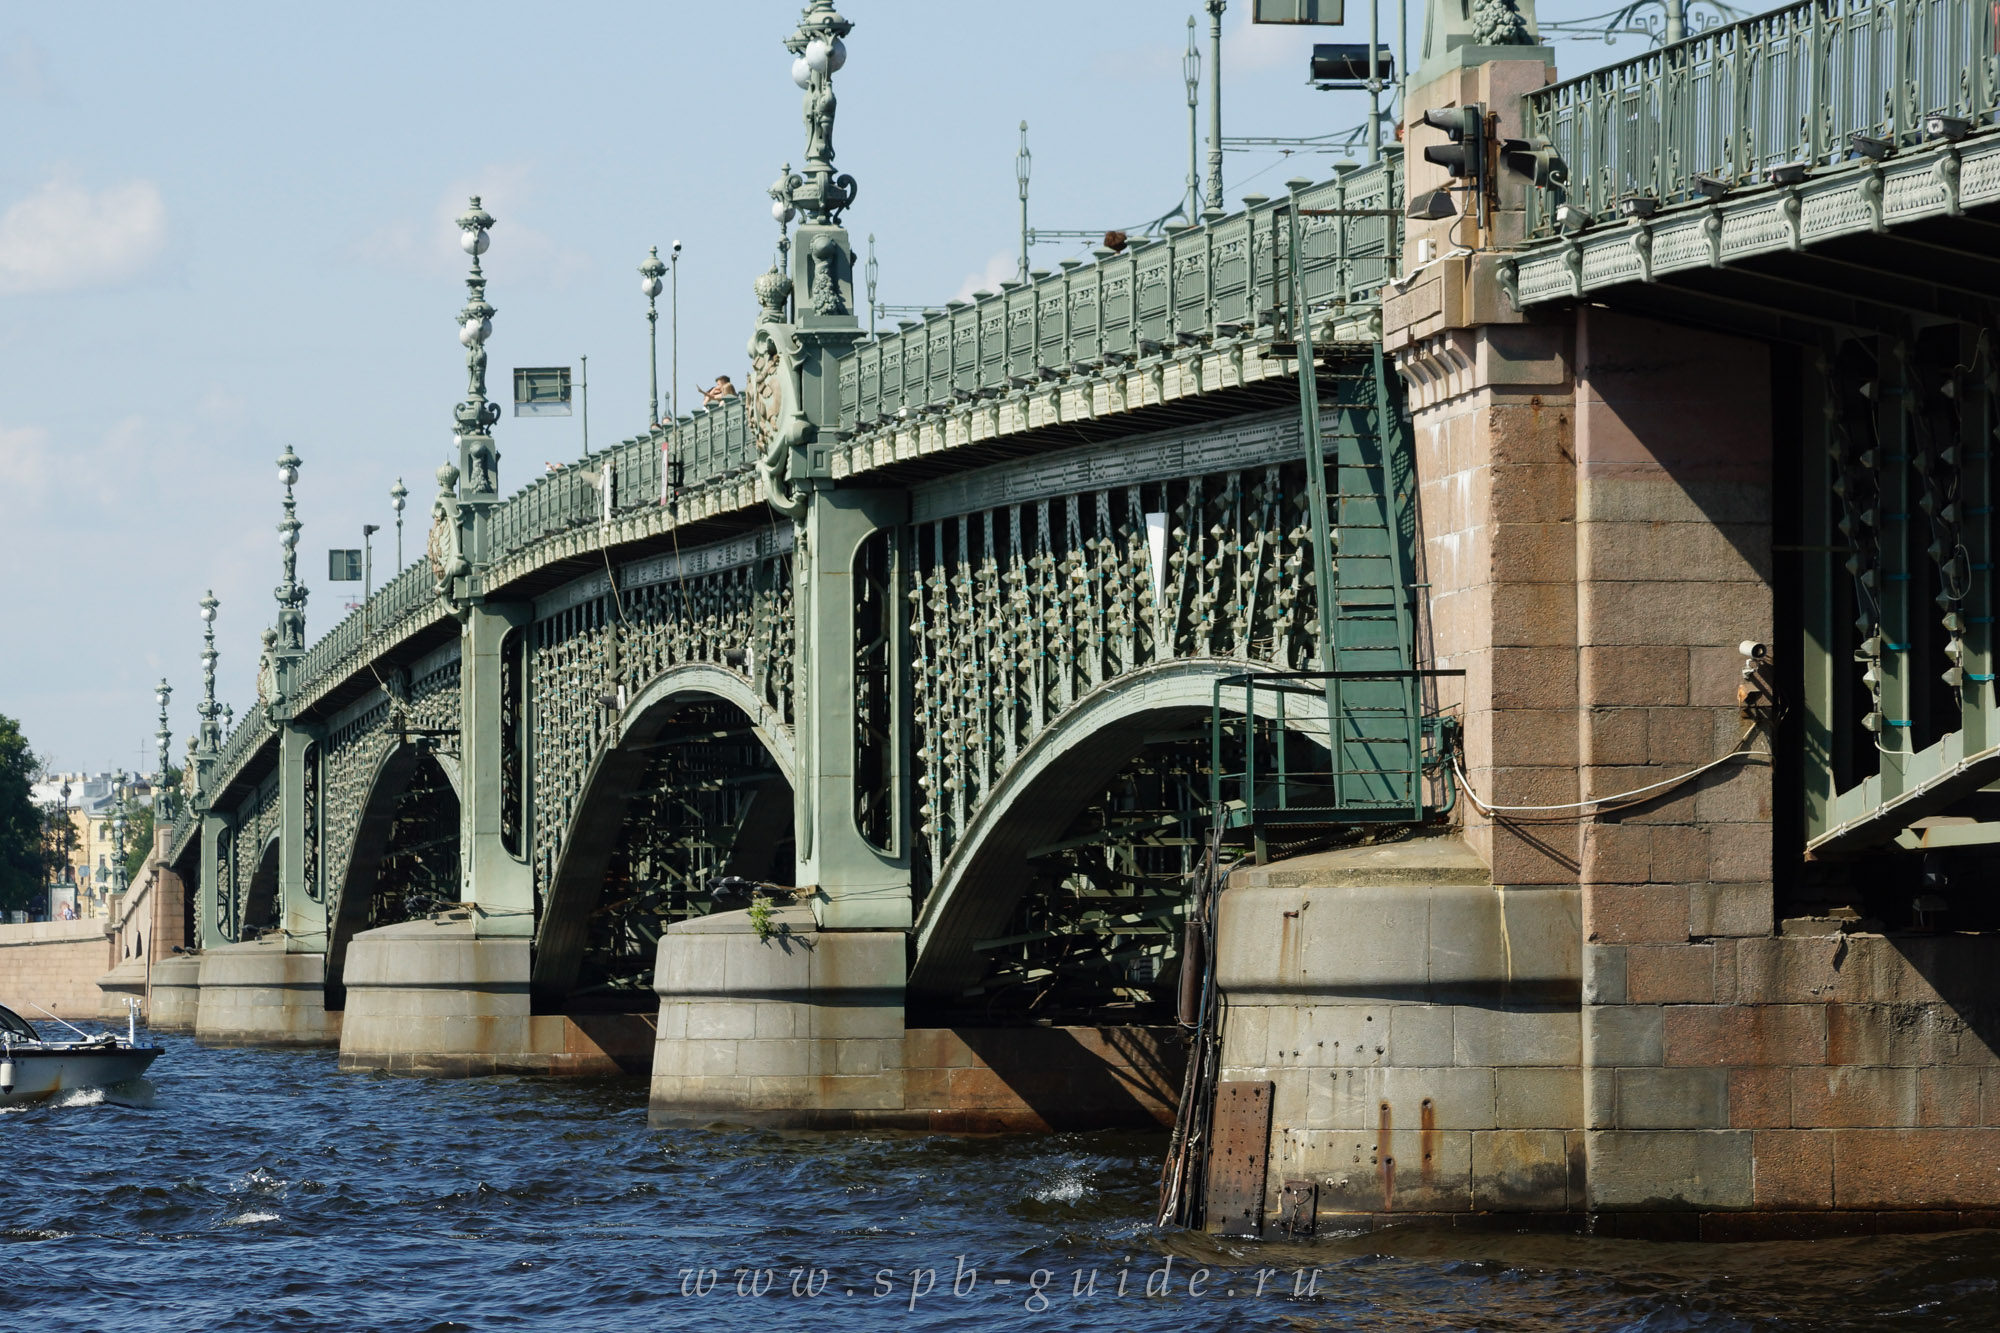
point(42, 1074)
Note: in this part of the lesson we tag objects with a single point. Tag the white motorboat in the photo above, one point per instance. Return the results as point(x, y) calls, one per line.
point(34, 1070)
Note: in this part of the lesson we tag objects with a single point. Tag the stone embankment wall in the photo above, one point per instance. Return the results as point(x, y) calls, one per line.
point(54, 964)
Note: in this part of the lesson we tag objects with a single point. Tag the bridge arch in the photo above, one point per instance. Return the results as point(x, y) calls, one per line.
point(260, 898)
point(1035, 800)
point(412, 799)
point(619, 773)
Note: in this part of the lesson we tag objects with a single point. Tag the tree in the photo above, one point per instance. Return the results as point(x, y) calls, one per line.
point(23, 852)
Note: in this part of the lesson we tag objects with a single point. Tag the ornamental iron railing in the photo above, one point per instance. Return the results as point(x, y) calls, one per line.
point(1196, 284)
point(1790, 88)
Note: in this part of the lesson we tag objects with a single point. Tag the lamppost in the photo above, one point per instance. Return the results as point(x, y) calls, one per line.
point(1191, 67)
point(368, 531)
point(873, 271)
point(1215, 8)
point(290, 594)
point(118, 833)
point(1024, 162)
point(674, 328)
point(478, 460)
point(649, 283)
point(210, 728)
point(399, 494)
point(163, 694)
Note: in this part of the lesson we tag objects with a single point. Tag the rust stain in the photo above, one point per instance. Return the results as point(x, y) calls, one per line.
point(1388, 1162)
point(1427, 1141)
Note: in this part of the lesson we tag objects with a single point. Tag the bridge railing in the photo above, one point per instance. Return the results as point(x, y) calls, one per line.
point(1231, 272)
point(411, 591)
point(238, 746)
point(1788, 87)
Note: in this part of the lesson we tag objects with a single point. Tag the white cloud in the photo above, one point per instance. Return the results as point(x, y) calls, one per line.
point(999, 268)
point(24, 459)
point(64, 236)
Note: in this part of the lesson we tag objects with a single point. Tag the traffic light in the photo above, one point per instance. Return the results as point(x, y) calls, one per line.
point(1536, 159)
point(1465, 156)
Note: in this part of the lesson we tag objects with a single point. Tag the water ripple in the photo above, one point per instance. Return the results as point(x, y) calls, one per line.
point(266, 1191)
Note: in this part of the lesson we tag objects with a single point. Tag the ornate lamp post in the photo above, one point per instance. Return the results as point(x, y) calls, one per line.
point(478, 460)
point(290, 594)
point(674, 329)
point(399, 495)
point(874, 271)
point(1024, 162)
point(164, 736)
point(650, 274)
point(819, 53)
point(1191, 68)
point(210, 713)
point(1215, 8)
point(118, 833)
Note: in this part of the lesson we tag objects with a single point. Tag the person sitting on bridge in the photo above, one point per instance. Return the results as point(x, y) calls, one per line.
point(718, 391)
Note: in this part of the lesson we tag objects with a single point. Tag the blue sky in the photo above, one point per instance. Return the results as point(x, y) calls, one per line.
point(227, 227)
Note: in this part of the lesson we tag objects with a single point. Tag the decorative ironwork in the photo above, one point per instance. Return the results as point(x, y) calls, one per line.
point(816, 43)
point(593, 655)
point(478, 460)
point(1022, 609)
point(711, 804)
point(291, 594)
point(1792, 87)
point(362, 737)
point(312, 762)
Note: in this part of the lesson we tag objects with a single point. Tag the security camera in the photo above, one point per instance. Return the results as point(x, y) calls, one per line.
point(677, 247)
point(1753, 650)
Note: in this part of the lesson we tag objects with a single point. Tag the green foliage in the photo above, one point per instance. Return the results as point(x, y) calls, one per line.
point(760, 917)
point(23, 846)
point(138, 840)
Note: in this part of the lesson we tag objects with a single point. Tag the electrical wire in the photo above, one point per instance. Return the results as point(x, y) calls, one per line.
point(1604, 804)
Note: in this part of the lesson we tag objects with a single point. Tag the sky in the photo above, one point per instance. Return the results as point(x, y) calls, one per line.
point(225, 228)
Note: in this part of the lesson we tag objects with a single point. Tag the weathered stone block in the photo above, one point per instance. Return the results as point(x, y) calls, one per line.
point(1760, 1098)
point(1746, 1034)
point(1604, 976)
point(1671, 974)
point(1916, 1168)
point(1537, 1098)
point(1624, 1034)
point(1729, 910)
point(1850, 1096)
point(1793, 1169)
point(1495, 1037)
point(1634, 913)
point(1644, 1170)
point(1902, 1034)
point(1516, 1170)
point(1633, 675)
point(1673, 1099)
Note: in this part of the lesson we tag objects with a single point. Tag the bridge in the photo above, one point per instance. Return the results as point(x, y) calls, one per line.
point(1568, 583)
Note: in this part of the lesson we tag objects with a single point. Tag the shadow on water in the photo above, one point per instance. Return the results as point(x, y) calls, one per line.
point(266, 1191)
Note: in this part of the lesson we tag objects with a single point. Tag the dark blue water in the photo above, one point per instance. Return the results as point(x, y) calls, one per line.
point(266, 1191)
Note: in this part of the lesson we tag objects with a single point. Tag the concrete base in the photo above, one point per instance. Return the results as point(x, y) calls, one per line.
point(123, 982)
point(433, 997)
point(176, 998)
point(803, 1028)
point(263, 994)
point(1419, 1027)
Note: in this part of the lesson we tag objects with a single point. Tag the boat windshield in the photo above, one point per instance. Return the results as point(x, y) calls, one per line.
point(14, 1025)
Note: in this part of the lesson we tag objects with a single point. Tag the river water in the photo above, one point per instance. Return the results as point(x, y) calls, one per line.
point(264, 1190)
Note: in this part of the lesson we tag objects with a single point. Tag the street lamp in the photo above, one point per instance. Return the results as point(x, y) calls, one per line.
point(163, 694)
point(674, 328)
point(290, 594)
point(650, 273)
point(874, 270)
point(1024, 162)
point(1191, 68)
point(118, 832)
point(399, 494)
point(1215, 8)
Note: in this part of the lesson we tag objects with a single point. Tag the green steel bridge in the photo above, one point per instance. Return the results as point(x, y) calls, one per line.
point(951, 625)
